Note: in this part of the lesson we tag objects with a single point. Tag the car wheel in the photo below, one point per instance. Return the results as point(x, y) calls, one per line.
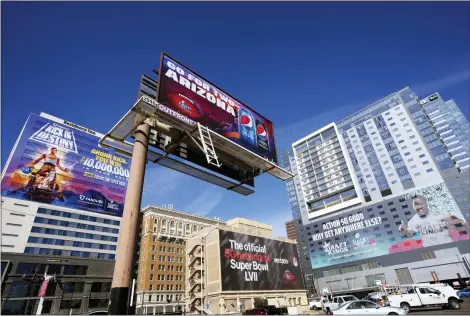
point(392, 313)
point(454, 304)
point(406, 307)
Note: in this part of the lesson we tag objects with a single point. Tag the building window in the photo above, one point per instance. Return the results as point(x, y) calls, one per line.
point(428, 255)
point(163, 228)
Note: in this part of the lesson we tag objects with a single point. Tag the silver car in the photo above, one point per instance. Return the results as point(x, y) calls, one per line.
point(363, 307)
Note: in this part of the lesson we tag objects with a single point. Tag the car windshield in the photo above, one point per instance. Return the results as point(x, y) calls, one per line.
point(349, 298)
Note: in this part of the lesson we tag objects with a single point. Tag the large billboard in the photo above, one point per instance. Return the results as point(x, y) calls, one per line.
point(250, 263)
point(59, 163)
point(190, 95)
point(418, 219)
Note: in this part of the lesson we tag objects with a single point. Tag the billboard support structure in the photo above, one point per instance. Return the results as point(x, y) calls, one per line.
point(123, 267)
point(243, 159)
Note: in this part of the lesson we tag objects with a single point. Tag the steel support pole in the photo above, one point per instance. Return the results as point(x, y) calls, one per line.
point(123, 268)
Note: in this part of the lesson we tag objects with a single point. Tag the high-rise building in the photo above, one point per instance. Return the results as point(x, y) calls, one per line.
point(300, 215)
point(290, 230)
point(162, 258)
point(402, 161)
point(62, 202)
point(325, 172)
point(446, 118)
point(62, 194)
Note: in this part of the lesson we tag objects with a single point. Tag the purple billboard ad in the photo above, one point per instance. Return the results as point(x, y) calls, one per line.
point(188, 94)
point(59, 163)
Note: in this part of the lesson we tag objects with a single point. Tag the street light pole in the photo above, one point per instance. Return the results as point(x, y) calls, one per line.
point(204, 265)
point(42, 291)
point(123, 268)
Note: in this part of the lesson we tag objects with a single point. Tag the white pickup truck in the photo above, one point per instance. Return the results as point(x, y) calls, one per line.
point(423, 295)
point(330, 304)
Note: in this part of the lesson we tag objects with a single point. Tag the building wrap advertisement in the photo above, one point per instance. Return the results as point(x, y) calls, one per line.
point(196, 100)
point(60, 163)
point(419, 219)
point(250, 263)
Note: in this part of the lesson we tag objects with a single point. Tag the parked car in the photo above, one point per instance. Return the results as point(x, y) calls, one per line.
point(273, 310)
point(464, 292)
point(255, 311)
point(315, 304)
point(363, 307)
point(336, 302)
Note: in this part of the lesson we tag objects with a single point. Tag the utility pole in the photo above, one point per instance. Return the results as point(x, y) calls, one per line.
point(42, 291)
point(123, 268)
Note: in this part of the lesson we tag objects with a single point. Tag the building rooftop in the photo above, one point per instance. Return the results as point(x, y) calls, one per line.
point(170, 212)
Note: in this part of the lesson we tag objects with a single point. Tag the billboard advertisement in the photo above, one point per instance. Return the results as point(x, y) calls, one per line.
point(59, 163)
point(250, 263)
point(195, 99)
point(421, 218)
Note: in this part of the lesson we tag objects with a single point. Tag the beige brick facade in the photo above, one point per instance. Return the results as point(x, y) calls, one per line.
point(161, 271)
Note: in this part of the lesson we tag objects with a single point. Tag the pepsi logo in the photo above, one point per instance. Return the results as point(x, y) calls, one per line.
point(261, 131)
point(246, 120)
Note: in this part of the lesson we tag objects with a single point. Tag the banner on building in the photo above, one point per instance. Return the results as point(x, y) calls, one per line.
point(59, 163)
point(250, 263)
point(419, 219)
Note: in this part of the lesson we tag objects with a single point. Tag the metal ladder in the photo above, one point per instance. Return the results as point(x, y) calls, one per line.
point(207, 145)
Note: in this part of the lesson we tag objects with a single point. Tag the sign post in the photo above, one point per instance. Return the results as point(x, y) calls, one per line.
point(123, 267)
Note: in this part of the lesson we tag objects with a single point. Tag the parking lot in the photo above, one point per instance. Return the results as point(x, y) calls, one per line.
point(464, 310)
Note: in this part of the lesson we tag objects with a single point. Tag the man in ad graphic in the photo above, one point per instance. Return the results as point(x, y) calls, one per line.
point(432, 228)
point(45, 178)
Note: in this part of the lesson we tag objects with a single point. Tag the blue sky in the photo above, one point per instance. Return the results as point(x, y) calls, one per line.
point(301, 64)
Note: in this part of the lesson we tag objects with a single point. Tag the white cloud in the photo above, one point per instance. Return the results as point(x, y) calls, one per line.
point(442, 83)
point(287, 134)
point(207, 201)
point(159, 181)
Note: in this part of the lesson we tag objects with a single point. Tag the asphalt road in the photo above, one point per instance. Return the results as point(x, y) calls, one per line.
point(464, 310)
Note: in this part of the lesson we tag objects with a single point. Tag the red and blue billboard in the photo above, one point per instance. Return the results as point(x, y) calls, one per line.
point(59, 163)
point(190, 95)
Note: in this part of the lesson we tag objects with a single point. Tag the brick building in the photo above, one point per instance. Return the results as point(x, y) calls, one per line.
point(161, 271)
point(290, 230)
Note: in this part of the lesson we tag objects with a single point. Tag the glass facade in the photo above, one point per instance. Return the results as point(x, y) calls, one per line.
point(69, 234)
point(396, 145)
point(448, 123)
point(285, 163)
point(323, 170)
